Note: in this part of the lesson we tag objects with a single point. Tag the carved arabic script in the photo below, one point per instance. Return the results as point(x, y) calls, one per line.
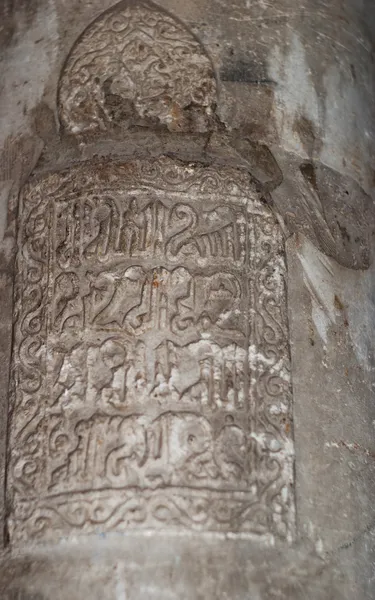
point(151, 355)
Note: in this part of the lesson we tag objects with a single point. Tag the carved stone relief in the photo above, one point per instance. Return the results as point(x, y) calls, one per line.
point(151, 359)
point(137, 65)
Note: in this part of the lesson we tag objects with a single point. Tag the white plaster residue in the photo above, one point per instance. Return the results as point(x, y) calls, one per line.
point(332, 445)
point(278, 368)
point(358, 293)
point(319, 280)
point(348, 119)
point(120, 582)
point(278, 409)
point(255, 357)
point(340, 111)
point(325, 280)
point(267, 442)
point(319, 547)
point(295, 94)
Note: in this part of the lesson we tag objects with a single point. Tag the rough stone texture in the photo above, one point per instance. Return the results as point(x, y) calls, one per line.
point(291, 102)
point(137, 65)
point(151, 355)
point(179, 568)
point(329, 327)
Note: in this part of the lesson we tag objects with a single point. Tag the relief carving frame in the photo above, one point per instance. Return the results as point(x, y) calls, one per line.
point(107, 431)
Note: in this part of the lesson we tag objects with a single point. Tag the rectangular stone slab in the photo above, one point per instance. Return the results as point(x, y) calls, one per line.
point(151, 359)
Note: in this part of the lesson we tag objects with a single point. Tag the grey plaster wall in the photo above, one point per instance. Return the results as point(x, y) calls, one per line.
point(296, 110)
point(333, 377)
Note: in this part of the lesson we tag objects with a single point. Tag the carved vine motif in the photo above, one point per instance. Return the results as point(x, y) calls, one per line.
point(151, 355)
point(137, 64)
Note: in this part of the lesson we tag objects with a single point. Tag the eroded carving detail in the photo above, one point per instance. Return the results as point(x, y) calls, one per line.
point(151, 355)
point(136, 64)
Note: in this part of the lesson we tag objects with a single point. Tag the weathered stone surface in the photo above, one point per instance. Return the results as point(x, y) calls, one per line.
point(291, 103)
point(136, 64)
point(177, 567)
point(151, 355)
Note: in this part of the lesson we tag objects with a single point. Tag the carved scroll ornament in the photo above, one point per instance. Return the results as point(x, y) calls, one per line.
point(137, 65)
point(151, 355)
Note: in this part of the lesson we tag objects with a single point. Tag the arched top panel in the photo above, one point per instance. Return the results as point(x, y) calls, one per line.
point(136, 65)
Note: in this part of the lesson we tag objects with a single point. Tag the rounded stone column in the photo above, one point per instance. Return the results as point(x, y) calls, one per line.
point(187, 374)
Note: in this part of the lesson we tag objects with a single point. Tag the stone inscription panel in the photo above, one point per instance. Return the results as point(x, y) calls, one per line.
point(151, 362)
